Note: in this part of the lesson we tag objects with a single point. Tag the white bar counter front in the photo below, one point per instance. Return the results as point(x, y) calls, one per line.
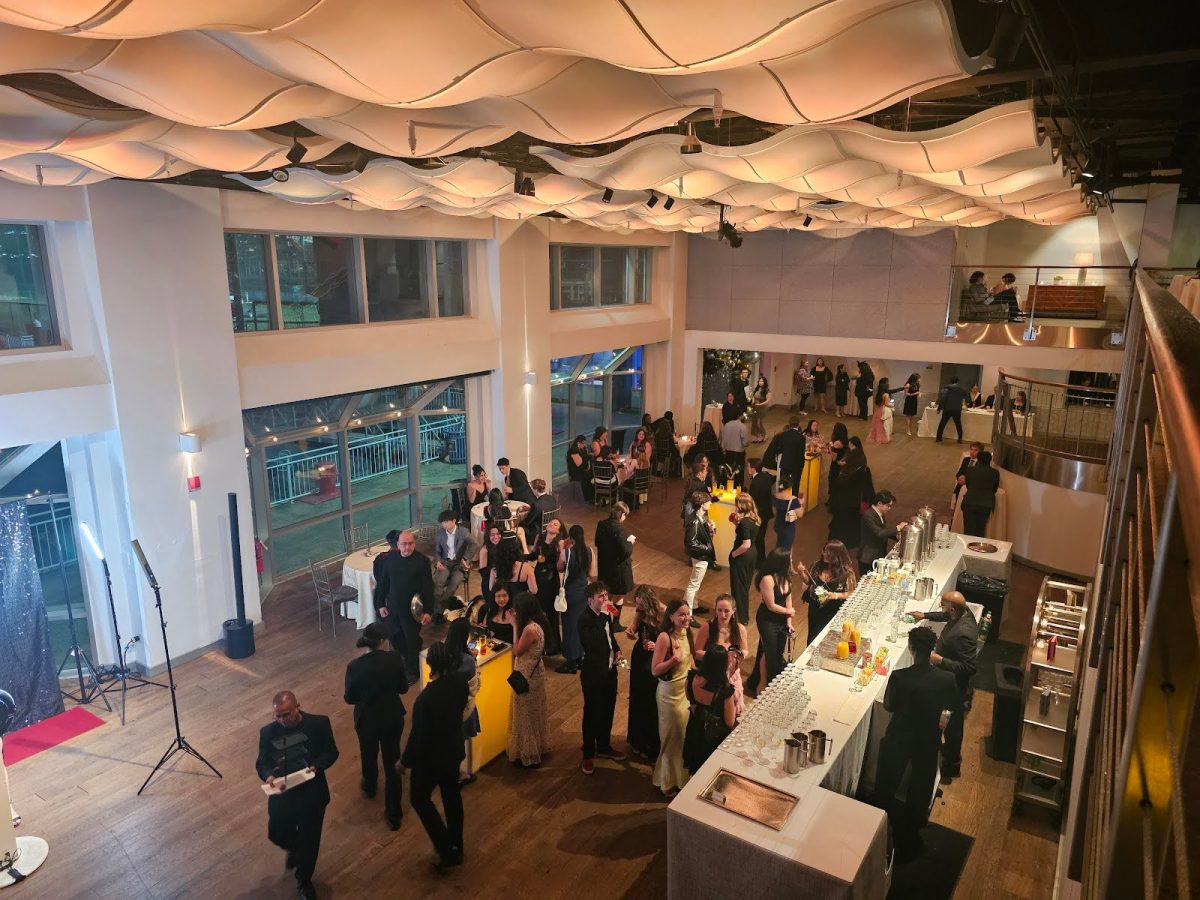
point(831, 845)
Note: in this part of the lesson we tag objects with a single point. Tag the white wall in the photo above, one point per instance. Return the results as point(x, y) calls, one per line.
point(1053, 527)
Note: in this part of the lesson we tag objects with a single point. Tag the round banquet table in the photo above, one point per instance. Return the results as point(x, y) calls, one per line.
point(357, 571)
point(519, 511)
point(712, 414)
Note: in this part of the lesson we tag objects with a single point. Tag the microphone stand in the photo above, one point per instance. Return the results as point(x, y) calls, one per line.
point(179, 742)
point(121, 674)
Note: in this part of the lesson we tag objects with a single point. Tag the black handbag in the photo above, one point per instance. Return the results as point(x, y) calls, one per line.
point(518, 682)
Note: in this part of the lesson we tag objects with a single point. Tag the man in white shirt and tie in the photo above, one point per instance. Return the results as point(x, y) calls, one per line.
point(876, 533)
point(960, 477)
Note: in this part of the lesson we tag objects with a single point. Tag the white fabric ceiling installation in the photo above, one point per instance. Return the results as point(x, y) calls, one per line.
point(990, 166)
point(417, 79)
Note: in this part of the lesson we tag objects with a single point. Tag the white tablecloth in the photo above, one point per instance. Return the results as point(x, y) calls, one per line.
point(992, 565)
point(831, 845)
point(357, 572)
point(1186, 289)
point(977, 424)
point(519, 510)
point(997, 526)
point(712, 413)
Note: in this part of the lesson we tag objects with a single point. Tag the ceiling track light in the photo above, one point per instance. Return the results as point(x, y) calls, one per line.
point(295, 154)
point(669, 203)
point(691, 144)
point(807, 221)
point(527, 189)
point(607, 196)
point(518, 177)
point(653, 201)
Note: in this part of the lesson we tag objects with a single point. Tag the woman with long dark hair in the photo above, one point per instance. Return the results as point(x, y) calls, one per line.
point(499, 615)
point(527, 718)
point(512, 570)
point(774, 617)
point(912, 398)
point(725, 632)
point(864, 385)
point(846, 495)
point(841, 390)
point(839, 442)
point(743, 558)
point(880, 431)
point(599, 443)
point(709, 444)
point(788, 507)
point(575, 566)
point(714, 713)
point(821, 377)
point(374, 682)
point(492, 538)
point(458, 635)
point(643, 686)
point(671, 663)
point(545, 573)
point(760, 400)
point(579, 467)
point(479, 486)
point(830, 580)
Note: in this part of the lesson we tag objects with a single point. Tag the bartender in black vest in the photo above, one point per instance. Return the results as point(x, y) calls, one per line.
point(405, 574)
point(296, 741)
point(955, 653)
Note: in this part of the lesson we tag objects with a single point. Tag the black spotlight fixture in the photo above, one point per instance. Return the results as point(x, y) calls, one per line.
point(653, 201)
point(807, 221)
point(607, 196)
point(295, 154)
point(280, 175)
point(527, 189)
point(670, 201)
point(518, 177)
point(726, 231)
point(361, 158)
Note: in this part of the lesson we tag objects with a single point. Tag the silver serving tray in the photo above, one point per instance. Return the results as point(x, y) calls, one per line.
point(750, 799)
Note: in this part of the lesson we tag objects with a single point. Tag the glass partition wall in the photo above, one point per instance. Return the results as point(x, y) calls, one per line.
point(321, 469)
point(604, 388)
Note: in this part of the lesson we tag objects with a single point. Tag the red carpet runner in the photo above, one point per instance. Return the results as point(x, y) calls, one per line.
point(27, 742)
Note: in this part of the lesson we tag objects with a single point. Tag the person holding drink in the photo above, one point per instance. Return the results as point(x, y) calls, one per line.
point(642, 730)
point(774, 617)
point(598, 675)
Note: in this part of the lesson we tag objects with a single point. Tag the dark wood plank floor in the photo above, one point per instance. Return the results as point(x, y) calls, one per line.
point(549, 832)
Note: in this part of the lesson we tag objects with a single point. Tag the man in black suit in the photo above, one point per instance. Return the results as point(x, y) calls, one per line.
point(786, 451)
point(455, 550)
point(391, 538)
point(915, 697)
point(955, 653)
point(876, 533)
point(405, 574)
point(543, 502)
point(374, 683)
point(296, 741)
point(762, 490)
point(516, 484)
point(951, 403)
point(434, 752)
point(598, 675)
point(981, 482)
point(969, 461)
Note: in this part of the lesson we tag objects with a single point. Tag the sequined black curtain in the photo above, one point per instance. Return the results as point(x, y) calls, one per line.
point(26, 666)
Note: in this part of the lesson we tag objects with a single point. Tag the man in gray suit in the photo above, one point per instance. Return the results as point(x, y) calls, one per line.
point(455, 550)
point(951, 403)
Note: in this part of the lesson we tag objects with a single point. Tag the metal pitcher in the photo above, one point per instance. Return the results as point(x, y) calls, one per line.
point(819, 744)
point(924, 588)
point(793, 755)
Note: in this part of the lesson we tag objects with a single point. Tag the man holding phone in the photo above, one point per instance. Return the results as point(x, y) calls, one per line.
point(598, 675)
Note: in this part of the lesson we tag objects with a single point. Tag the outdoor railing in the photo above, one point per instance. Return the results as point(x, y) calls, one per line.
point(44, 519)
point(1067, 420)
point(292, 475)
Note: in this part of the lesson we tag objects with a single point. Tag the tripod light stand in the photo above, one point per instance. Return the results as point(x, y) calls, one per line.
point(179, 742)
point(85, 672)
point(121, 676)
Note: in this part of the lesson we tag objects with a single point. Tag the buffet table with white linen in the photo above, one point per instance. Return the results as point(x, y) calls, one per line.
point(830, 845)
point(992, 565)
point(519, 511)
point(977, 424)
point(357, 571)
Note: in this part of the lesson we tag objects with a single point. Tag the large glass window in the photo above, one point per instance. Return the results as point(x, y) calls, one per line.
point(602, 388)
point(450, 257)
point(314, 280)
point(582, 277)
point(400, 450)
point(26, 311)
point(397, 280)
point(248, 266)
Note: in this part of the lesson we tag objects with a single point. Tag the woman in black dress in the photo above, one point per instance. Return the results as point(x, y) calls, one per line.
point(614, 553)
point(709, 444)
point(579, 467)
point(841, 390)
point(834, 574)
point(500, 616)
point(492, 538)
point(864, 387)
point(512, 571)
point(643, 686)
point(743, 558)
point(821, 377)
point(839, 443)
point(545, 571)
point(858, 456)
point(845, 497)
point(574, 566)
point(912, 398)
point(774, 617)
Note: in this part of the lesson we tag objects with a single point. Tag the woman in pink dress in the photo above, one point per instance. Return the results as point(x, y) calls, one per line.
point(726, 631)
point(881, 422)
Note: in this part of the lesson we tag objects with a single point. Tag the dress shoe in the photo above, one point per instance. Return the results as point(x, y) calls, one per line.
point(588, 765)
point(444, 863)
point(393, 823)
point(570, 667)
point(615, 755)
point(713, 567)
point(368, 791)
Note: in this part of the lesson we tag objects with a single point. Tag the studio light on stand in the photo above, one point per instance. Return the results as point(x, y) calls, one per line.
point(85, 672)
point(121, 676)
point(179, 742)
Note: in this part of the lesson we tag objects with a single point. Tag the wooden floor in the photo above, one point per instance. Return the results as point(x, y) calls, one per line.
point(547, 833)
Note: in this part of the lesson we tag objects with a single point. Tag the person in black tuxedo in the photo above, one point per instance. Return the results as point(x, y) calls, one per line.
point(950, 402)
point(434, 751)
point(598, 675)
point(391, 538)
point(981, 482)
point(543, 502)
point(374, 683)
point(876, 533)
point(915, 697)
point(968, 462)
point(955, 652)
point(516, 483)
point(762, 489)
point(403, 575)
point(295, 741)
point(786, 451)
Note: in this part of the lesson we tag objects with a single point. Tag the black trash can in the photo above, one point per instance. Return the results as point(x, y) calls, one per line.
point(988, 593)
point(239, 638)
point(1001, 744)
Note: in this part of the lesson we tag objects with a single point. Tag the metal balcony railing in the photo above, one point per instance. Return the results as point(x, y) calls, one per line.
point(1051, 417)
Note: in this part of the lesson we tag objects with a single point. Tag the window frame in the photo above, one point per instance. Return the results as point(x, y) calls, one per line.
point(630, 289)
point(58, 338)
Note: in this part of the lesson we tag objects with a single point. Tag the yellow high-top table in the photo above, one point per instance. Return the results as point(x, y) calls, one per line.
point(494, 702)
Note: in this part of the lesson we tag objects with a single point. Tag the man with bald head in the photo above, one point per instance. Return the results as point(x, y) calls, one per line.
point(296, 741)
point(404, 575)
point(954, 653)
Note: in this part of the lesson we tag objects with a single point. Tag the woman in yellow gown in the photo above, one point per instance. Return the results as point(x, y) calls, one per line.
point(671, 663)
